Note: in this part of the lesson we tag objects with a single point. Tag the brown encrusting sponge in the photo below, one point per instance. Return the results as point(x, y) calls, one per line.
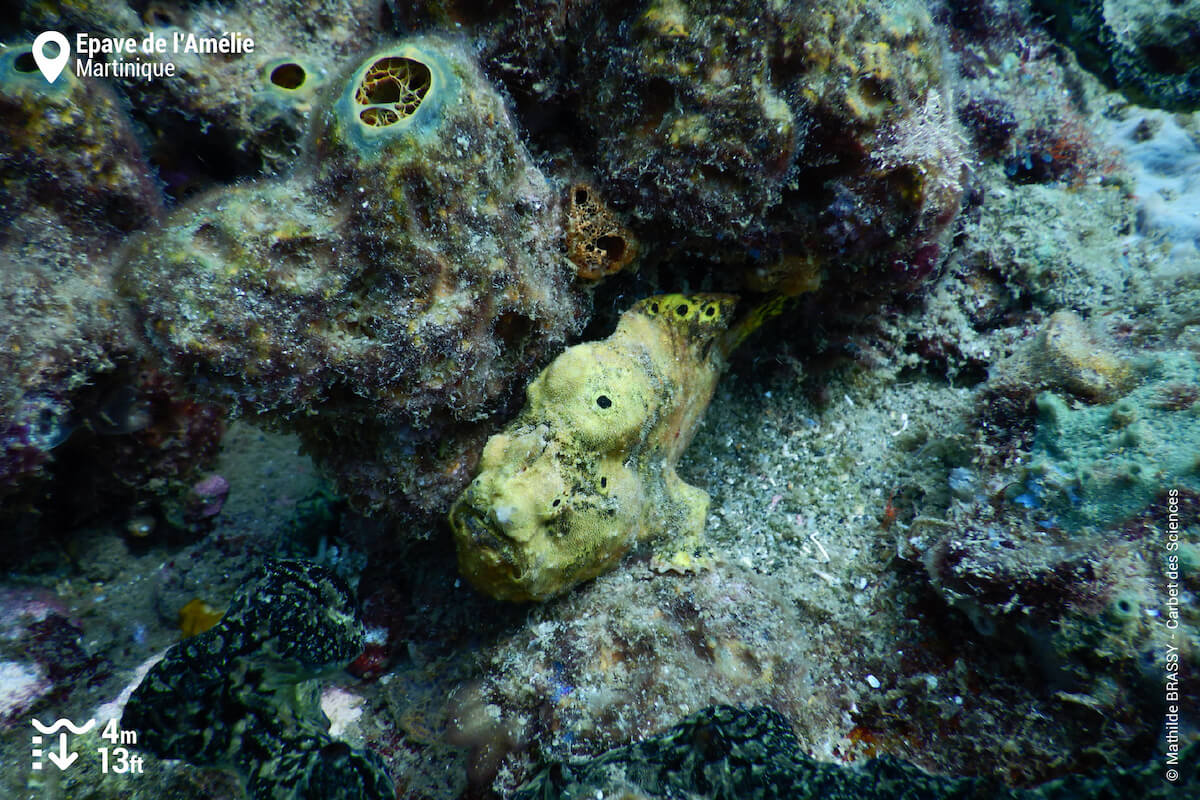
point(598, 243)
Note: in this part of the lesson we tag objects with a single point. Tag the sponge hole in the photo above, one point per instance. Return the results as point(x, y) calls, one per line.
point(289, 76)
point(397, 84)
point(613, 247)
point(379, 117)
point(25, 62)
point(161, 15)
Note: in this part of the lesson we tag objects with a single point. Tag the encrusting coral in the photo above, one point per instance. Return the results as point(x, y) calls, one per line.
point(588, 468)
point(244, 694)
point(390, 296)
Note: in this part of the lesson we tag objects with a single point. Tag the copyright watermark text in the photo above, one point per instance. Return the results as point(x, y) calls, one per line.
point(1171, 661)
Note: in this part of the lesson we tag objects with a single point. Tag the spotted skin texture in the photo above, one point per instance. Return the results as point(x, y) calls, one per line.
point(244, 695)
point(588, 468)
point(728, 753)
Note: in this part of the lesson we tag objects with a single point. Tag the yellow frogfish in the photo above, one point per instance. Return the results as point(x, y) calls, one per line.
point(587, 470)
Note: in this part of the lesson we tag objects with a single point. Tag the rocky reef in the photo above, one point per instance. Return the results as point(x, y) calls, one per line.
point(229, 118)
point(1145, 49)
point(1090, 486)
point(1108, 461)
point(383, 302)
point(896, 488)
point(75, 390)
point(821, 140)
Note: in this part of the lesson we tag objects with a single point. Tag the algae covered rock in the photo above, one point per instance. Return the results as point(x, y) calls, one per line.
point(774, 140)
point(588, 468)
point(69, 146)
point(1103, 463)
point(813, 134)
point(86, 425)
point(244, 695)
point(1148, 49)
point(727, 753)
point(384, 302)
point(62, 168)
point(876, 190)
point(242, 114)
point(1079, 553)
point(1067, 355)
point(691, 126)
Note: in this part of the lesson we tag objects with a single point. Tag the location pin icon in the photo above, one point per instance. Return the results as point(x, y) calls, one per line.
point(51, 67)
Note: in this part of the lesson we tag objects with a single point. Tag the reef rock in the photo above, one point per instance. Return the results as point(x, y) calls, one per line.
point(776, 141)
point(384, 302)
point(816, 134)
point(1149, 49)
point(240, 114)
point(85, 424)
